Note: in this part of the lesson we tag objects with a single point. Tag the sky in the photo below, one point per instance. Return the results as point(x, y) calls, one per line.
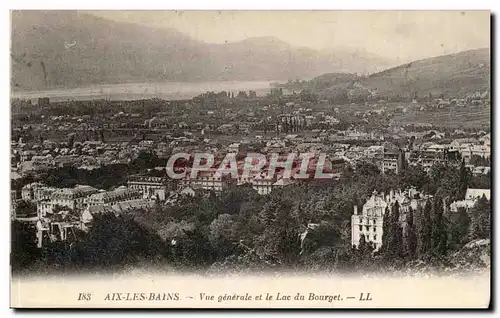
point(403, 35)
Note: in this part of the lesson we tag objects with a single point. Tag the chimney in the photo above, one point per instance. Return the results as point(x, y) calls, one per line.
point(391, 194)
point(355, 210)
point(383, 196)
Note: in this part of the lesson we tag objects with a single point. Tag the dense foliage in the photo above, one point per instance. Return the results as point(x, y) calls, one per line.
point(241, 229)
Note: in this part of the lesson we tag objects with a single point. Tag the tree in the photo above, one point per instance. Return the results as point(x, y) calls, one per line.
point(445, 179)
point(223, 234)
point(480, 226)
point(363, 254)
point(326, 234)
point(232, 199)
point(24, 251)
point(25, 209)
point(386, 230)
point(479, 161)
point(464, 179)
point(367, 169)
point(145, 160)
point(118, 241)
point(482, 181)
point(411, 234)
point(394, 239)
point(267, 215)
point(248, 225)
point(287, 230)
point(424, 230)
point(195, 249)
point(459, 227)
point(71, 140)
point(438, 234)
point(413, 176)
point(279, 239)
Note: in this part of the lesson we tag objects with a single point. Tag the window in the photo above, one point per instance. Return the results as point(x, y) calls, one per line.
point(375, 237)
point(361, 228)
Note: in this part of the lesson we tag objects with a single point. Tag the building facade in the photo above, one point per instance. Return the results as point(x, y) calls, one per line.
point(110, 198)
point(369, 222)
point(371, 219)
point(393, 161)
point(149, 186)
point(471, 198)
point(207, 180)
point(70, 198)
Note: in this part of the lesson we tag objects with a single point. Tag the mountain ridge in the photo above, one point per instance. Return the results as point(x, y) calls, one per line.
point(455, 74)
point(451, 74)
point(111, 52)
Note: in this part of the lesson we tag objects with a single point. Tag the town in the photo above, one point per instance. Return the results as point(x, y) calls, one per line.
point(75, 160)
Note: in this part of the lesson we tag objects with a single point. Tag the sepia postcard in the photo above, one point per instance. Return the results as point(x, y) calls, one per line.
point(250, 159)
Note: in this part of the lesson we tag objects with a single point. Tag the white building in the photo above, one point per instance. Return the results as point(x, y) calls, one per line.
point(28, 191)
point(471, 147)
point(259, 180)
point(109, 198)
point(207, 180)
point(370, 222)
point(263, 183)
point(149, 186)
point(74, 199)
point(36, 191)
point(471, 197)
point(474, 194)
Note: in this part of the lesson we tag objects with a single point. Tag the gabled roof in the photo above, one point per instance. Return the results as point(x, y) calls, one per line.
point(375, 201)
point(283, 182)
point(472, 194)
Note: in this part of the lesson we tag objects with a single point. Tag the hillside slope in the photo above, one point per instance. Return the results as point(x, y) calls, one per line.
point(452, 75)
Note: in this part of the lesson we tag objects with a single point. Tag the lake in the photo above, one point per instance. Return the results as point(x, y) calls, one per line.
point(170, 91)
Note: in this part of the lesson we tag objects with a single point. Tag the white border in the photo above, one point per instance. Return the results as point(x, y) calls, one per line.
point(260, 5)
